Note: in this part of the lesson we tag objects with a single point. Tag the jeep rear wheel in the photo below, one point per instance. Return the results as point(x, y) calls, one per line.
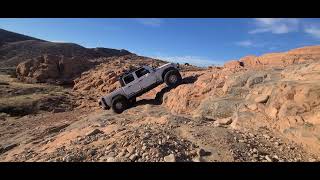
point(119, 104)
point(172, 78)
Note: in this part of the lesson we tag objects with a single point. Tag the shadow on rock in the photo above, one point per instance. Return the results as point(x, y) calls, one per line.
point(159, 96)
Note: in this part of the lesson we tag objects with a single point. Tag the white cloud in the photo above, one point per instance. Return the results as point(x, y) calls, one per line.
point(249, 43)
point(245, 43)
point(194, 60)
point(153, 22)
point(275, 25)
point(313, 31)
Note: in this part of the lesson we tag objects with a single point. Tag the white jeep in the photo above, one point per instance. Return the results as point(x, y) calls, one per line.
point(139, 81)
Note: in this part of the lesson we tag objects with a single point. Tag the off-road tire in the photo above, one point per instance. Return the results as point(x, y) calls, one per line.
point(172, 78)
point(119, 104)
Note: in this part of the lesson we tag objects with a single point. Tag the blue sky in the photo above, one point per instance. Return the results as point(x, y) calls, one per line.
point(199, 41)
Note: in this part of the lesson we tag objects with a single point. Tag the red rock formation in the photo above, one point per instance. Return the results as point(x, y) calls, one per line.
point(295, 56)
point(51, 69)
point(233, 64)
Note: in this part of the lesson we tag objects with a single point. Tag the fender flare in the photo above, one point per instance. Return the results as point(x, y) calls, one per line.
point(119, 95)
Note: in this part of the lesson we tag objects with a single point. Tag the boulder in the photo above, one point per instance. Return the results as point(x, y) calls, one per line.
point(170, 158)
point(255, 79)
point(224, 121)
point(94, 132)
point(261, 99)
point(51, 69)
point(252, 107)
point(218, 108)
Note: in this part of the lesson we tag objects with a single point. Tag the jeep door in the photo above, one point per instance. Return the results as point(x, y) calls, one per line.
point(131, 86)
point(146, 77)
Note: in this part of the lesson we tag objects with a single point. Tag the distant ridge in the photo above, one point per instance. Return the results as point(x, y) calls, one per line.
point(16, 48)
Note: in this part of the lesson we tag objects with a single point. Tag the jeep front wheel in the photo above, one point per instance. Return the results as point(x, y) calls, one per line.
point(172, 78)
point(119, 104)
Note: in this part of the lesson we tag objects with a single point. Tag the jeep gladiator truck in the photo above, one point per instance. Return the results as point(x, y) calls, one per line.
point(139, 81)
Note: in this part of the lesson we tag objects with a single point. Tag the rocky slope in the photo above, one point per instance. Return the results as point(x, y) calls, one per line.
point(148, 131)
point(259, 109)
point(282, 98)
point(299, 55)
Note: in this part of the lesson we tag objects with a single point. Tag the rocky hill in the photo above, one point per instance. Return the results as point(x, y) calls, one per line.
point(16, 48)
point(9, 37)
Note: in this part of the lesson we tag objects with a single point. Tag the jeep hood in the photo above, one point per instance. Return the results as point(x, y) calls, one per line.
point(168, 64)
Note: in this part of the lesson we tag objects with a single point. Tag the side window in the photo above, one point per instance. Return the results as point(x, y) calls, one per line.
point(128, 79)
point(142, 72)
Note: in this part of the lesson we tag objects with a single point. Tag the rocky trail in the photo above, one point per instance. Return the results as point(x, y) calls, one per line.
point(155, 136)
